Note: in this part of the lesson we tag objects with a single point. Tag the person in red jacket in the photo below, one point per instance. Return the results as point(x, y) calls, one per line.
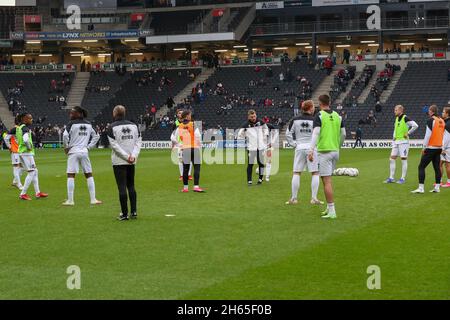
point(328, 64)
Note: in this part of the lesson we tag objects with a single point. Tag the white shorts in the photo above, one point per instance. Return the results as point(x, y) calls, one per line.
point(75, 159)
point(27, 161)
point(446, 157)
point(400, 150)
point(327, 163)
point(301, 161)
point(15, 159)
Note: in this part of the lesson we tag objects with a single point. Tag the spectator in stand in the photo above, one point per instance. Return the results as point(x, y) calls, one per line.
point(371, 119)
point(261, 83)
point(378, 107)
point(358, 137)
point(20, 85)
point(359, 56)
point(334, 57)
point(346, 56)
point(53, 85)
point(286, 104)
point(268, 102)
point(153, 111)
point(170, 102)
point(328, 65)
point(297, 104)
point(354, 102)
point(281, 76)
point(62, 101)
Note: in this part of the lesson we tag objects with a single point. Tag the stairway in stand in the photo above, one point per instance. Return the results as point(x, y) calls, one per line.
point(387, 93)
point(78, 88)
point(203, 76)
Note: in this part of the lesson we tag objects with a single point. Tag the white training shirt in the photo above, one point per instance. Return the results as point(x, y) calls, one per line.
point(80, 136)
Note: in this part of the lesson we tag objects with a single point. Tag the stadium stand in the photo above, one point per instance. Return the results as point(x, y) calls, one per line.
point(421, 84)
point(101, 88)
point(382, 83)
point(272, 97)
point(341, 81)
point(33, 92)
point(140, 89)
point(359, 85)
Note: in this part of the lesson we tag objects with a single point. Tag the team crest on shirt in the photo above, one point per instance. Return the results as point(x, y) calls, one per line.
point(82, 131)
point(126, 130)
point(305, 128)
point(127, 134)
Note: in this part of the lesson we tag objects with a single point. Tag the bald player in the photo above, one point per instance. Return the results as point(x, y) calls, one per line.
point(403, 128)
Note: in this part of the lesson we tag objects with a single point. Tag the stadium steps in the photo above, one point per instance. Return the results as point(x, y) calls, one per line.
point(344, 94)
point(324, 86)
point(362, 98)
point(203, 76)
point(78, 89)
point(5, 114)
point(387, 93)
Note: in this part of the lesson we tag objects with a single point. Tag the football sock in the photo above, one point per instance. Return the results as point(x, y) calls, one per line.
point(91, 186)
point(392, 168)
point(295, 186)
point(331, 208)
point(267, 170)
point(28, 181)
point(404, 168)
point(36, 182)
point(17, 176)
point(70, 189)
point(315, 182)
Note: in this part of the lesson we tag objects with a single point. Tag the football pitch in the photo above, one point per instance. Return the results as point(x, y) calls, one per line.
point(233, 242)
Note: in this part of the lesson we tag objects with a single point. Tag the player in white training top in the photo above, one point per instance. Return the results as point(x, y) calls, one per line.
point(299, 136)
point(79, 137)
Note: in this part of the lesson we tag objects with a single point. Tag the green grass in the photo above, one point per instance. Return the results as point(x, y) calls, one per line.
point(234, 242)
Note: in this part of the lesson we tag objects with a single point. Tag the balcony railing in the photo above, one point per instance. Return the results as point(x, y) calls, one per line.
point(347, 25)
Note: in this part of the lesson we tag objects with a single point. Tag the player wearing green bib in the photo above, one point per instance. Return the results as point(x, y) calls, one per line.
point(404, 127)
point(328, 136)
point(26, 154)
